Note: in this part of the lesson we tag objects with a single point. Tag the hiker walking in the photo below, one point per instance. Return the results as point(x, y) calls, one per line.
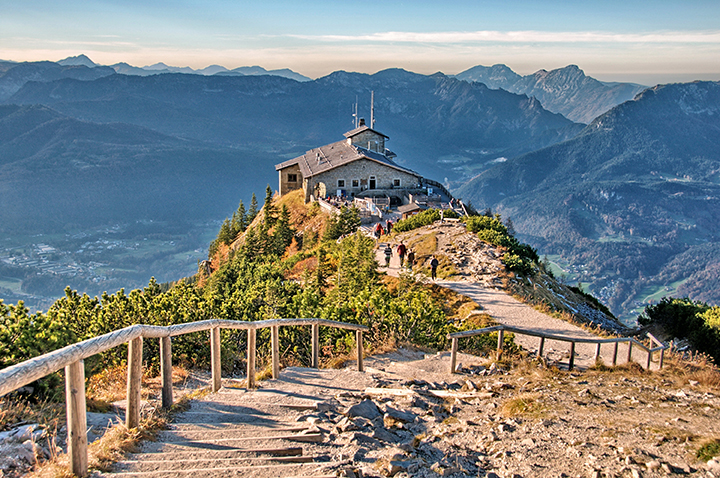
point(378, 230)
point(401, 250)
point(388, 255)
point(389, 225)
point(411, 259)
point(433, 267)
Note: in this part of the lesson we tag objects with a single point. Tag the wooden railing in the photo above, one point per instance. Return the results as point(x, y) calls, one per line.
point(501, 329)
point(72, 359)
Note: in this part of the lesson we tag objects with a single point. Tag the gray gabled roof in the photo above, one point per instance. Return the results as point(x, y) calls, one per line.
point(362, 128)
point(331, 156)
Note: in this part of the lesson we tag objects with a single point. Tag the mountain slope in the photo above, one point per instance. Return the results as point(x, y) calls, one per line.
point(442, 127)
point(56, 171)
point(567, 90)
point(14, 76)
point(635, 188)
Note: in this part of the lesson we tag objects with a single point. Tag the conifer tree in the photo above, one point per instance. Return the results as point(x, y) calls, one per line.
point(283, 232)
point(252, 212)
point(269, 209)
point(225, 235)
point(238, 222)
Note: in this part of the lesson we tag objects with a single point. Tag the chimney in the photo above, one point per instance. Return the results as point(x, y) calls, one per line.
point(362, 122)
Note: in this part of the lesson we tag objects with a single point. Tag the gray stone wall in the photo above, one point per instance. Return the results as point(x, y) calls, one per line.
point(360, 173)
point(370, 140)
point(284, 179)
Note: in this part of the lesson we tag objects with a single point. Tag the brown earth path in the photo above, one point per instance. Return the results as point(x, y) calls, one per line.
point(507, 310)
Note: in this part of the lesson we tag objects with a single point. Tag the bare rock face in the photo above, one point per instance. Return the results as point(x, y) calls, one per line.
point(365, 409)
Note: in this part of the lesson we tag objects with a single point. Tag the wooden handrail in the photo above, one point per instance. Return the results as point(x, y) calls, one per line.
point(543, 336)
point(72, 359)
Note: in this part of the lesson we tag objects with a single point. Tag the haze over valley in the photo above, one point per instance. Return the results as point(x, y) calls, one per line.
point(142, 164)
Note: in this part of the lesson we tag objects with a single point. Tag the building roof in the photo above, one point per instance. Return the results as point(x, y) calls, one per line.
point(361, 129)
point(331, 156)
point(410, 207)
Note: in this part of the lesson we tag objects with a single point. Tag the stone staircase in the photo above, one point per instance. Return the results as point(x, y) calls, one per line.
point(267, 432)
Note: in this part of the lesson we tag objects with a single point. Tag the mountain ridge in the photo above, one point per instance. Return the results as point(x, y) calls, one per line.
point(635, 188)
point(566, 90)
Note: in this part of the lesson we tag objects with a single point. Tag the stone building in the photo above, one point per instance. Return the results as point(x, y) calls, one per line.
point(359, 166)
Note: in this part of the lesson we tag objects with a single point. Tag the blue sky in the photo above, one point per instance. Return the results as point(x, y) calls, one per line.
point(641, 41)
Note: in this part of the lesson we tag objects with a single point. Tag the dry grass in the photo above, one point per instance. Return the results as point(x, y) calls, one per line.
point(522, 404)
point(113, 446)
point(15, 412)
point(682, 371)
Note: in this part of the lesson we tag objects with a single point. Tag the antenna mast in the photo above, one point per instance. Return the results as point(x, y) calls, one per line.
point(355, 113)
point(372, 109)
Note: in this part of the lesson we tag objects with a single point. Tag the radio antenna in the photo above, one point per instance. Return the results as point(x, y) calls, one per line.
point(372, 109)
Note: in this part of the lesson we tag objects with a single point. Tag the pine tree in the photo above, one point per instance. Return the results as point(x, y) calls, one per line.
point(225, 235)
point(253, 211)
point(239, 220)
point(283, 232)
point(510, 227)
point(269, 209)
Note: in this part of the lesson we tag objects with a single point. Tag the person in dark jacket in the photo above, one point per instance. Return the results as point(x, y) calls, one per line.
point(433, 267)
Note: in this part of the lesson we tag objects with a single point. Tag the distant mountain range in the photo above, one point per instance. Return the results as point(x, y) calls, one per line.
point(634, 198)
point(160, 68)
point(443, 127)
point(567, 90)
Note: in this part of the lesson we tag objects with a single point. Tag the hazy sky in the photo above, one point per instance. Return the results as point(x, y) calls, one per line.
point(643, 41)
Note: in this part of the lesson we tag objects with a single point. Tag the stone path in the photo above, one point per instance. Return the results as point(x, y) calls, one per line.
point(255, 433)
point(507, 310)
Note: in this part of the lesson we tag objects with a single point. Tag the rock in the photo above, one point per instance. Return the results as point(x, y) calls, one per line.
point(653, 465)
point(384, 435)
point(399, 415)
point(713, 465)
point(24, 432)
point(365, 409)
point(26, 452)
point(529, 442)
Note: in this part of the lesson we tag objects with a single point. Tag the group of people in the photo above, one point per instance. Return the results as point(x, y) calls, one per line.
point(379, 230)
point(403, 252)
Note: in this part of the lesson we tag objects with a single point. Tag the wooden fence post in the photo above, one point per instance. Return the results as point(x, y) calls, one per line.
point(542, 345)
point(132, 414)
point(275, 332)
point(315, 346)
point(215, 359)
point(359, 342)
point(649, 359)
point(629, 357)
point(251, 359)
point(166, 371)
point(615, 352)
point(453, 355)
point(501, 338)
point(597, 352)
point(572, 356)
point(662, 359)
point(76, 417)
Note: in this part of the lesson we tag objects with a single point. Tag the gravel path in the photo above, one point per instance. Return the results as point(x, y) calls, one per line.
point(507, 310)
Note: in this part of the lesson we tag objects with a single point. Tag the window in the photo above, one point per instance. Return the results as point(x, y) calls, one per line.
point(356, 183)
point(396, 183)
point(341, 183)
point(292, 178)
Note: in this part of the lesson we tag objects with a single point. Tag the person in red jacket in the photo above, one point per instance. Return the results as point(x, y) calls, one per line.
point(401, 250)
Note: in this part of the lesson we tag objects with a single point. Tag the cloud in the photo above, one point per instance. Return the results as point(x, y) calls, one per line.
point(529, 36)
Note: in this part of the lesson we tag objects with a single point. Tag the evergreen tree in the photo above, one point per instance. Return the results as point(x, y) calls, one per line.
point(269, 209)
point(225, 235)
point(283, 232)
point(510, 227)
point(239, 220)
point(252, 212)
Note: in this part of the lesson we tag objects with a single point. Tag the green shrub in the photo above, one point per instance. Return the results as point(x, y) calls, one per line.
point(683, 318)
point(420, 219)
